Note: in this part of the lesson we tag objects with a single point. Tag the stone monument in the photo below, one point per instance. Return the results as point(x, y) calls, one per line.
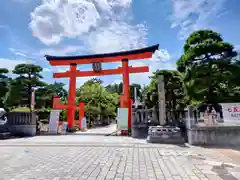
point(166, 135)
point(161, 100)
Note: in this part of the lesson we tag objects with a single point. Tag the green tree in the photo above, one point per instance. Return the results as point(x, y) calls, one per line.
point(21, 87)
point(89, 82)
point(114, 88)
point(99, 103)
point(175, 91)
point(93, 81)
point(117, 88)
point(208, 66)
point(3, 85)
point(138, 87)
point(44, 95)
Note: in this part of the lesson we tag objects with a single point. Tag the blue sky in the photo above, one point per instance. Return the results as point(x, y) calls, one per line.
point(29, 29)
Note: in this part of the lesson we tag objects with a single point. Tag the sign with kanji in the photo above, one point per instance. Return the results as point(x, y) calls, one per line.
point(122, 118)
point(53, 123)
point(84, 123)
point(231, 112)
point(97, 66)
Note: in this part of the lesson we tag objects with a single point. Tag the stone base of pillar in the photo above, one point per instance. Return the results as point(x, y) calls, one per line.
point(71, 130)
point(140, 132)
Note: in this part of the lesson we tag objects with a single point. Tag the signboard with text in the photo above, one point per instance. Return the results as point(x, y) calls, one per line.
point(231, 112)
point(84, 123)
point(122, 118)
point(53, 122)
point(64, 127)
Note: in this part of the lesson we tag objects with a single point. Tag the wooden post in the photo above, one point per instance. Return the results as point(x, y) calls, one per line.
point(161, 100)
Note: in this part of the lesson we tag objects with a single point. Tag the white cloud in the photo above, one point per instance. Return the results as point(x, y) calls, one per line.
point(18, 52)
point(121, 3)
point(117, 81)
point(156, 63)
point(25, 54)
point(62, 68)
point(60, 51)
point(117, 36)
point(82, 80)
point(10, 64)
point(46, 70)
point(161, 55)
point(54, 20)
point(190, 15)
point(101, 24)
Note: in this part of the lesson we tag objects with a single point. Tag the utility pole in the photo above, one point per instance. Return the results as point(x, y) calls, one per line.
point(161, 100)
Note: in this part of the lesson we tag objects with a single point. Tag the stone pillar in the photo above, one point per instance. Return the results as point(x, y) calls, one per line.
point(161, 100)
point(81, 114)
point(190, 123)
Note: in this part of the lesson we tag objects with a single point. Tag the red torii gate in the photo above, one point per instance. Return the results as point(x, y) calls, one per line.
point(58, 105)
point(96, 61)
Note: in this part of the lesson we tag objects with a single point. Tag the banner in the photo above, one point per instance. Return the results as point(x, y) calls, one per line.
point(122, 119)
point(64, 127)
point(53, 122)
point(231, 112)
point(84, 123)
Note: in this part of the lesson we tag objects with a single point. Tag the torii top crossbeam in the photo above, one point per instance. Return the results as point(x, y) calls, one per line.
point(104, 58)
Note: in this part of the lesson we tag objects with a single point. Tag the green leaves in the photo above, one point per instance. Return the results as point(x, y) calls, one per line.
point(21, 87)
point(28, 69)
point(117, 88)
point(4, 80)
point(207, 66)
point(45, 94)
point(99, 102)
point(203, 46)
point(175, 92)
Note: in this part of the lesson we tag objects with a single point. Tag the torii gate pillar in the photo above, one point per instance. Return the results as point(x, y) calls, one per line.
point(126, 93)
point(71, 96)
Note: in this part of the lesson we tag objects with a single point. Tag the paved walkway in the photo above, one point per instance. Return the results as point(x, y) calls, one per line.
point(105, 130)
point(110, 158)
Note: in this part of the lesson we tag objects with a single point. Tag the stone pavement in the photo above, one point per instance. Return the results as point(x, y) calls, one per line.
point(105, 130)
point(109, 158)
